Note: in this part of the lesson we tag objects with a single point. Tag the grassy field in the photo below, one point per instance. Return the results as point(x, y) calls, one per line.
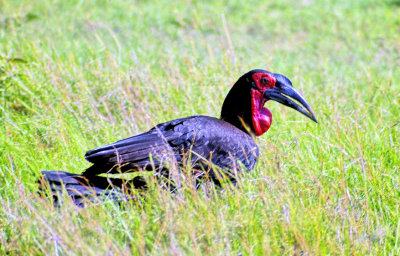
point(75, 75)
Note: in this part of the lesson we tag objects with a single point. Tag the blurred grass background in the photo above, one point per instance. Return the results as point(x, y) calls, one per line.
point(75, 75)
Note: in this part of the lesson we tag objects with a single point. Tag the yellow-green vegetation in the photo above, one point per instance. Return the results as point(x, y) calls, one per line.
point(75, 75)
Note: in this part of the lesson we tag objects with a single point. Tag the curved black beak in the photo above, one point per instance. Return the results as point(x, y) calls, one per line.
point(281, 94)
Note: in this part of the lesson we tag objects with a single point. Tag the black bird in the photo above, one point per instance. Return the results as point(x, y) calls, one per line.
point(215, 148)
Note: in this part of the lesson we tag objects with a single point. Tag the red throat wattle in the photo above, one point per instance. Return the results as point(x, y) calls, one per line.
point(261, 116)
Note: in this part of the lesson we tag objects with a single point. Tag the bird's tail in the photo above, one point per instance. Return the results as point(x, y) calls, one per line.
point(83, 190)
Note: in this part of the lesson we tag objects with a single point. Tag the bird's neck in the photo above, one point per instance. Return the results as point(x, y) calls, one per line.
point(236, 108)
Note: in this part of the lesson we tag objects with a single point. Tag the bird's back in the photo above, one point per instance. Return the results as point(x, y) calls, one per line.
point(198, 138)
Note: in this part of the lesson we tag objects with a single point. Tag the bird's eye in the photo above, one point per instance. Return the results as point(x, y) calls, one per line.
point(264, 80)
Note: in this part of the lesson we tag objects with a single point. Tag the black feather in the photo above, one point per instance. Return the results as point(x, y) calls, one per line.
point(204, 138)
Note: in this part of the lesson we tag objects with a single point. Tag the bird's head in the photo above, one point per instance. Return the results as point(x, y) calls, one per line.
point(244, 104)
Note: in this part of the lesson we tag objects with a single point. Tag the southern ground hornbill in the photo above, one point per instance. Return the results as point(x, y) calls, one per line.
point(214, 149)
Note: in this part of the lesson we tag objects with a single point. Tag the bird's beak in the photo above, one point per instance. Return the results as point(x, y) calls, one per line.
point(281, 94)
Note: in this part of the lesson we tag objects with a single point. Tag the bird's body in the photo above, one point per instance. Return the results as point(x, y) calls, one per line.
point(204, 140)
point(205, 144)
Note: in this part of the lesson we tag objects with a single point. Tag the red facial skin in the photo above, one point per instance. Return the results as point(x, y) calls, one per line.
point(261, 117)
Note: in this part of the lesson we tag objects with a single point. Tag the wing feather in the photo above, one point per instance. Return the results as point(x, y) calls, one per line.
point(209, 138)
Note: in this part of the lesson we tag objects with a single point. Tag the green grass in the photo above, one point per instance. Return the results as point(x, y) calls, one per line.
point(75, 75)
